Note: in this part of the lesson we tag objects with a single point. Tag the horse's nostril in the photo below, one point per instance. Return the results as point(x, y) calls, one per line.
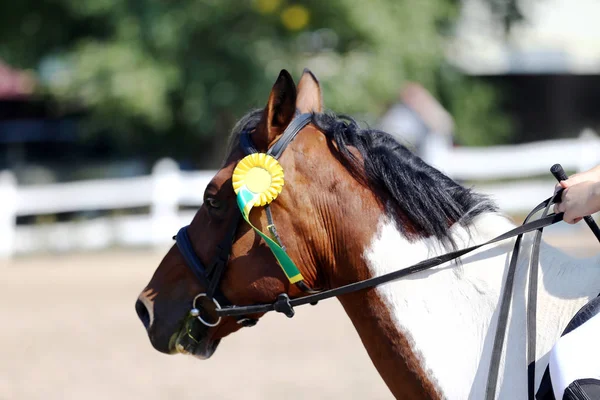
point(143, 313)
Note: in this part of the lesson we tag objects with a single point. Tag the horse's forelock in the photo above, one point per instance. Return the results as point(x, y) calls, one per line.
point(247, 122)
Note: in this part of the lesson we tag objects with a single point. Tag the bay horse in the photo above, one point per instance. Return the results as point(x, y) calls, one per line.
point(353, 204)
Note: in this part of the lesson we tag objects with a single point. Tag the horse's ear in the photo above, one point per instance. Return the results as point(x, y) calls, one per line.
point(309, 97)
point(279, 112)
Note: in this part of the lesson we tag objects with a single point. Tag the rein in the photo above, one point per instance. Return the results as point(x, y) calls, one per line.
point(286, 305)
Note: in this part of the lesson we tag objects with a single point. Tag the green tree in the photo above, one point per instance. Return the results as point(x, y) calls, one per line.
point(171, 77)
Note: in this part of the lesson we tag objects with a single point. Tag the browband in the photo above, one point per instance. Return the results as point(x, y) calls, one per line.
point(299, 122)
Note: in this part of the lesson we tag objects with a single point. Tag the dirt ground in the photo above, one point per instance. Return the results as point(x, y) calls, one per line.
point(69, 331)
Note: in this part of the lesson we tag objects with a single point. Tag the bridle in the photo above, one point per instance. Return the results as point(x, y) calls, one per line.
point(210, 277)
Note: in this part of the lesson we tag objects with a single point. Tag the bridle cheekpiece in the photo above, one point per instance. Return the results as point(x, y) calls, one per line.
point(257, 180)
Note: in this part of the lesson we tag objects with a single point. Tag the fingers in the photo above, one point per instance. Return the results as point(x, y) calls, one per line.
point(570, 220)
point(569, 217)
point(562, 207)
point(562, 185)
point(577, 178)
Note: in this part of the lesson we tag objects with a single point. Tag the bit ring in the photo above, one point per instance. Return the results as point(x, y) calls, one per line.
point(194, 312)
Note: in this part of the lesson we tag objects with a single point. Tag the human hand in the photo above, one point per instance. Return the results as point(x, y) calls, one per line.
point(578, 200)
point(589, 175)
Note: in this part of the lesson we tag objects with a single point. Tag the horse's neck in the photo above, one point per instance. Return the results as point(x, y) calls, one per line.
point(448, 316)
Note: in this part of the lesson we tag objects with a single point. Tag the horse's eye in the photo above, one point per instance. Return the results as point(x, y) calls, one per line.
point(213, 203)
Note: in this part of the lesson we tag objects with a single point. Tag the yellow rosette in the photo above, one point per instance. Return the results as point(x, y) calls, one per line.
point(262, 175)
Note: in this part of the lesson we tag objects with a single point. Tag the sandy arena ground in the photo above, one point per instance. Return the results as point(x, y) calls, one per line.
point(69, 331)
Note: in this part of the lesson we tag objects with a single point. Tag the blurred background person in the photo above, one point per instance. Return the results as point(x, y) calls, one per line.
point(417, 119)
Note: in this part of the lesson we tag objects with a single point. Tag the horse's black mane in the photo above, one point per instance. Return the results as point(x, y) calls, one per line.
point(413, 193)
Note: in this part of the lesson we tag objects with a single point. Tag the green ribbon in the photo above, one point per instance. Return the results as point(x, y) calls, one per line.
point(246, 200)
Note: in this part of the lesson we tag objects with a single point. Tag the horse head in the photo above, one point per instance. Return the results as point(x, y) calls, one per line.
point(306, 215)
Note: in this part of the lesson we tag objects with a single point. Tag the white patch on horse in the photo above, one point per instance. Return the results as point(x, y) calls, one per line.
point(445, 313)
point(149, 304)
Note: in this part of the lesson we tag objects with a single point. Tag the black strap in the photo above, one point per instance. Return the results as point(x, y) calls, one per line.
point(222, 257)
point(501, 328)
point(299, 122)
point(209, 277)
point(545, 391)
point(289, 134)
point(583, 389)
point(532, 309)
point(182, 239)
point(189, 255)
point(585, 313)
point(494, 367)
point(379, 280)
point(505, 301)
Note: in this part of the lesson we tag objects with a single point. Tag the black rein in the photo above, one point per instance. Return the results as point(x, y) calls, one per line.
point(284, 304)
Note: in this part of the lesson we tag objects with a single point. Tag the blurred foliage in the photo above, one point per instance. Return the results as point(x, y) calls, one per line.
point(171, 77)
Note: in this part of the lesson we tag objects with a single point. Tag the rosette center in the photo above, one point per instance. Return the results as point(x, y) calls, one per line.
point(258, 180)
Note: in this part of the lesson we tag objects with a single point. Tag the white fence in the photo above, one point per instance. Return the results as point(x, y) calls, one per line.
point(517, 166)
point(164, 191)
point(168, 188)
